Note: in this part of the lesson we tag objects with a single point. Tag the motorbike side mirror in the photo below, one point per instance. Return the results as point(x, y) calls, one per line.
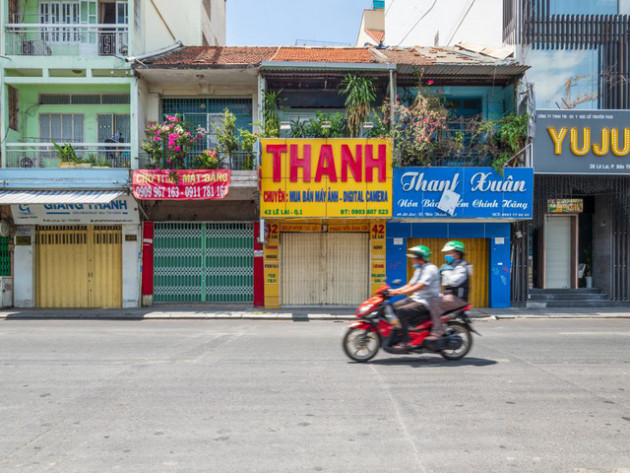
point(396, 282)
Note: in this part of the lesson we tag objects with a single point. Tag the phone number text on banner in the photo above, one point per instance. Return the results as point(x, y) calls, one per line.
point(188, 184)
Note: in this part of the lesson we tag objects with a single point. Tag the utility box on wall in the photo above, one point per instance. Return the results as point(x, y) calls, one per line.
point(6, 299)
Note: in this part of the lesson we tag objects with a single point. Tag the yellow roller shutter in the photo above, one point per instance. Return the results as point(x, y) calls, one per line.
point(477, 254)
point(79, 267)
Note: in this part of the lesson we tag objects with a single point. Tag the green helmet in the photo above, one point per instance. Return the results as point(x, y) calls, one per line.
point(420, 251)
point(454, 245)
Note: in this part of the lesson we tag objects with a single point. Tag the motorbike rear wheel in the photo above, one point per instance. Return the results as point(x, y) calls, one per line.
point(361, 345)
point(456, 328)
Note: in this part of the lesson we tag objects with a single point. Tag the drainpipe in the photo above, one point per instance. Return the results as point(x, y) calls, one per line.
point(392, 101)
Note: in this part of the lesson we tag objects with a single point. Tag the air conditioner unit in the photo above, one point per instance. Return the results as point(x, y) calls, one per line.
point(26, 162)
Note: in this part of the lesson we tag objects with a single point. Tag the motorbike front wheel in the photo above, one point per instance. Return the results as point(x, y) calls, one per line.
point(361, 345)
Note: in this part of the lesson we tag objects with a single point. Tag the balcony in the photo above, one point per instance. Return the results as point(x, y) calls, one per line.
point(235, 161)
point(85, 155)
point(84, 40)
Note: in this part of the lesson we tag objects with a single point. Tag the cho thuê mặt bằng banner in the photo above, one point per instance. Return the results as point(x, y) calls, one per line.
point(181, 184)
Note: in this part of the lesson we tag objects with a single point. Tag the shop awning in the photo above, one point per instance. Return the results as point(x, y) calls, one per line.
point(57, 197)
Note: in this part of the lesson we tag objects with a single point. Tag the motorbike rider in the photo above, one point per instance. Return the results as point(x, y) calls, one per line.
point(455, 277)
point(423, 290)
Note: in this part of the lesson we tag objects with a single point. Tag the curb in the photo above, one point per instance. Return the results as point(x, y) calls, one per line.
point(481, 317)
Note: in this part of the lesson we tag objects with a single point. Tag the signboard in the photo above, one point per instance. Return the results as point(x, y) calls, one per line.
point(123, 210)
point(320, 178)
point(565, 206)
point(181, 184)
point(582, 142)
point(481, 193)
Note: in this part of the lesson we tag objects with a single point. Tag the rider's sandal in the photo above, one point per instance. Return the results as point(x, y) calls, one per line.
point(434, 336)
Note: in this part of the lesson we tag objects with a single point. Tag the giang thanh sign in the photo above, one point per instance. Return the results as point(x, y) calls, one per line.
point(123, 210)
point(582, 142)
point(320, 178)
point(451, 192)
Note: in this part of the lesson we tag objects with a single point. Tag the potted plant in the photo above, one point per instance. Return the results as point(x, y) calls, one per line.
point(588, 260)
point(67, 155)
point(226, 135)
point(101, 164)
point(248, 142)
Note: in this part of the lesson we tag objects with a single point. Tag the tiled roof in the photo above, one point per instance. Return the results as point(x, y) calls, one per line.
point(335, 55)
point(428, 56)
point(215, 56)
point(376, 35)
point(254, 56)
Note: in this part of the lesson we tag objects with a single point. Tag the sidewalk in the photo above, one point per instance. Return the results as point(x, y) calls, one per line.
point(297, 314)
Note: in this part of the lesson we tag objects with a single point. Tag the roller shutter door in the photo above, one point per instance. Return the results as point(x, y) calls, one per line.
point(324, 268)
point(477, 254)
point(79, 267)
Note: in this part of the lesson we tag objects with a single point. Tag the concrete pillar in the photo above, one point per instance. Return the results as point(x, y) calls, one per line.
point(602, 243)
point(24, 268)
point(131, 258)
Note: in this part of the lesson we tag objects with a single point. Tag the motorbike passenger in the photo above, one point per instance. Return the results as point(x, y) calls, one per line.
point(424, 295)
point(455, 277)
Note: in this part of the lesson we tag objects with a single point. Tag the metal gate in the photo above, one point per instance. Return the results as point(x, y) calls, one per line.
point(79, 267)
point(203, 262)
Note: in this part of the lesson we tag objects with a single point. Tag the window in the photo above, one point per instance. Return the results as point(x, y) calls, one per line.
point(14, 109)
point(61, 127)
point(465, 107)
point(84, 99)
point(64, 13)
point(583, 7)
point(114, 127)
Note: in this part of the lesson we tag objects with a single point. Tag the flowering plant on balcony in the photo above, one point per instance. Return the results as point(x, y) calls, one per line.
point(426, 133)
point(207, 160)
point(170, 142)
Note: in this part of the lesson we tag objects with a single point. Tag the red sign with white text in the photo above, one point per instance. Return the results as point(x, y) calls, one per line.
point(187, 184)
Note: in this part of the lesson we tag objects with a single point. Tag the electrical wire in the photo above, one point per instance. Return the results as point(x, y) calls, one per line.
point(389, 7)
point(472, 4)
point(416, 23)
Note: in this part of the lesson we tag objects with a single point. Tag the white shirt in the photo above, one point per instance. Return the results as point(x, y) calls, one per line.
point(429, 275)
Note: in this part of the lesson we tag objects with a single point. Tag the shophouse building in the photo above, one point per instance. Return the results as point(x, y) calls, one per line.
point(579, 240)
point(71, 103)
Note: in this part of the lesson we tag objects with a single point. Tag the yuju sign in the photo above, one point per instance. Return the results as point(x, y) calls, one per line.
point(582, 142)
point(326, 178)
point(477, 193)
point(188, 184)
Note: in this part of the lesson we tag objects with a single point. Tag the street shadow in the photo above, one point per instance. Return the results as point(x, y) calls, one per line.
point(431, 361)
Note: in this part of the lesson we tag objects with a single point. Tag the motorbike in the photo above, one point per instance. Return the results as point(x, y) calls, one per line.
point(374, 331)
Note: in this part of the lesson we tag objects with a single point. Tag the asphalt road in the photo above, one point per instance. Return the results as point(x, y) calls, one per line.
point(279, 396)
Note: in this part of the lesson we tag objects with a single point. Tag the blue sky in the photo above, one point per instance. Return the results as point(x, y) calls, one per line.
point(282, 22)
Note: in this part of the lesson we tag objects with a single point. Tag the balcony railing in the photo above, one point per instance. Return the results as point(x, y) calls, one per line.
point(66, 39)
point(45, 155)
point(236, 161)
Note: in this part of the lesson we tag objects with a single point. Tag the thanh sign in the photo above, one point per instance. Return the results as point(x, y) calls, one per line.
point(319, 178)
point(582, 142)
point(481, 192)
point(123, 210)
